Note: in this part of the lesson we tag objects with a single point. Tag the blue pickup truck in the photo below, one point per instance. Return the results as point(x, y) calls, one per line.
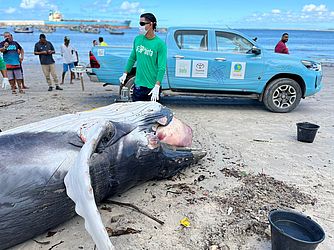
point(218, 62)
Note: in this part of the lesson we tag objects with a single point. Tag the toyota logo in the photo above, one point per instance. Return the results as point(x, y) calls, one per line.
point(200, 66)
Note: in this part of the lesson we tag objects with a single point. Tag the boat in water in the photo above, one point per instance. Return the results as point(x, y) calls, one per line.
point(23, 29)
point(115, 32)
point(56, 19)
point(89, 29)
point(47, 29)
point(74, 28)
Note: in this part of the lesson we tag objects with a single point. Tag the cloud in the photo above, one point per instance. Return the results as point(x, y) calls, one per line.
point(307, 15)
point(32, 4)
point(314, 8)
point(10, 10)
point(131, 7)
point(275, 11)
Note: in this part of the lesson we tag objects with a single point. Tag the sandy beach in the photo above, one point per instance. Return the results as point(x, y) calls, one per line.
point(254, 163)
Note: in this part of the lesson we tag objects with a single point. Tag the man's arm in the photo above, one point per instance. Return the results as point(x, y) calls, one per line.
point(52, 49)
point(132, 59)
point(3, 46)
point(21, 54)
point(162, 62)
point(37, 52)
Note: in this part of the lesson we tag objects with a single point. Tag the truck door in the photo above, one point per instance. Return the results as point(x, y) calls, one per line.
point(233, 66)
point(187, 62)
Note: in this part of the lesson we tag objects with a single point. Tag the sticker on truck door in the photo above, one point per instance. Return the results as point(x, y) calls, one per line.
point(182, 68)
point(200, 68)
point(238, 70)
point(100, 52)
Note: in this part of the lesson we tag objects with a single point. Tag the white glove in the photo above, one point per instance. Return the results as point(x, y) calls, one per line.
point(5, 83)
point(155, 93)
point(122, 78)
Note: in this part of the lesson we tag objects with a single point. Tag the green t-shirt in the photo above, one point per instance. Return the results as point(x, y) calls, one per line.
point(151, 58)
point(2, 64)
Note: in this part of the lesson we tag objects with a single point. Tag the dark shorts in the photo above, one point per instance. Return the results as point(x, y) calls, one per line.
point(140, 93)
point(14, 74)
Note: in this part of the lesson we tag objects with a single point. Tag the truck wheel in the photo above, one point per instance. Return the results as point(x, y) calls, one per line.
point(129, 84)
point(282, 95)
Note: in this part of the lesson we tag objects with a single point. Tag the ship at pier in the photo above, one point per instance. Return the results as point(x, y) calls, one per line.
point(56, 19)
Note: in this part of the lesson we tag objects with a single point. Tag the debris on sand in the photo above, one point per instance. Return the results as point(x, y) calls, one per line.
point(252, 201)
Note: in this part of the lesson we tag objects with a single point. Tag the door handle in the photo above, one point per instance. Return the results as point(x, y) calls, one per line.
point(178, 57)
point(221, 59)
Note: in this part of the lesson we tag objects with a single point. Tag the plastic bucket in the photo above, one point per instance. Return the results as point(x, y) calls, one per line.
point(294, 231)
point(306, 131)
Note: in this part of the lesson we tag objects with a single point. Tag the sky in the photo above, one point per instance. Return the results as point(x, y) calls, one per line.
point(283, 14)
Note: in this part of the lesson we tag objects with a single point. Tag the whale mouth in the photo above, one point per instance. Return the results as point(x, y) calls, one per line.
point(197, 153)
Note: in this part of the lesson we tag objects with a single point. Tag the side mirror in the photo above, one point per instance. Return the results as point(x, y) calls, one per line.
point(256, 50)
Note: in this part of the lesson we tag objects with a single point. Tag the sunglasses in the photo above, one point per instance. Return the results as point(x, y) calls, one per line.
point(143, 23)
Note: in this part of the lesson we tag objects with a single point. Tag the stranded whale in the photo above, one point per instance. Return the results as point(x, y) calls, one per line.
point(99, 153)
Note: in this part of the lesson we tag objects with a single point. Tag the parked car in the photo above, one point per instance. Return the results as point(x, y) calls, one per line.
point(211, 62)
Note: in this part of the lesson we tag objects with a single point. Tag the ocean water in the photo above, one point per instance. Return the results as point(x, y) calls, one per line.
point(316, 45)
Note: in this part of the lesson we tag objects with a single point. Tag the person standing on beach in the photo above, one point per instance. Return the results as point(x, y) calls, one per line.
point(281, 45)
point(92, 60)
point(68, 54)
point(13, 55)
point(5, 81)
point(102, 43)
point(44, 49)
point(76, 63)
point(150, 53)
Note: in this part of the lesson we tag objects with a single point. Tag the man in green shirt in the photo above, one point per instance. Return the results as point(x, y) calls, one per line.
point(150, 53)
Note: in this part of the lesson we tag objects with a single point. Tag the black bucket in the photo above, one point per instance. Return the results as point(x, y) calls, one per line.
point(294, 231)
point(306, 131)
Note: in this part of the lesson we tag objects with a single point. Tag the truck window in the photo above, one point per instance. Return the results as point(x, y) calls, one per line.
point(232, 43)
point(191, 39)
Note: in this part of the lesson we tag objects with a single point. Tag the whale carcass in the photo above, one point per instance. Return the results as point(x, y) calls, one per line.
point(99, 153)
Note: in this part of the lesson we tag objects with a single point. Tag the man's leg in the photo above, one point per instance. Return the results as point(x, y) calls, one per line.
point(62, 78)
point(64, 73)
point(20, 84)
point(24, 86)
point(71, 66)
point(46, 72)
point(11, 79)
point(54, 76)
point(53, 73)
point(18, 77)
point(12, 86)
point(141, 94)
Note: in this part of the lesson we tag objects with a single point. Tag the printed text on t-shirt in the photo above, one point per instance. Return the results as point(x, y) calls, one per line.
point(142, 49)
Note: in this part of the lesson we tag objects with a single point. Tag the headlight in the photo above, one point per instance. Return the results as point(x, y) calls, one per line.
point(312, 65)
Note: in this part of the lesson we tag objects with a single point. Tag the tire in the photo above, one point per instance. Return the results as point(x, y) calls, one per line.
point(129, 84)
point(282, 95)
